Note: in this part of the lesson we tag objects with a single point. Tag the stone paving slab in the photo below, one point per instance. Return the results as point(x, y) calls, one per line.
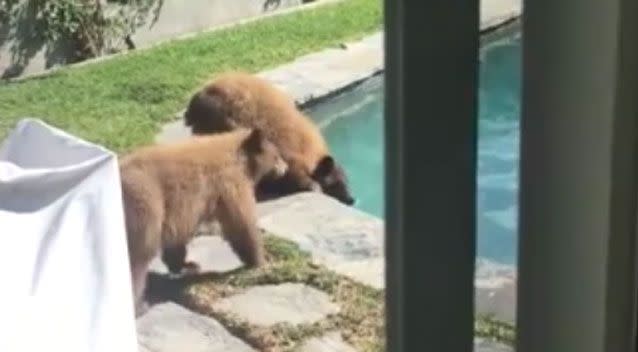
point(316, 75)
point(344, 239)
point(482, 345)
point(330, 342)
point(266, 305)
point(499, 301)
point(496, 12)
point(495, 291)
point(212, 253)
point(169, 327)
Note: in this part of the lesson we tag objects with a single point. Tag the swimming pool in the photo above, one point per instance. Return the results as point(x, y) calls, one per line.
point(353, 126)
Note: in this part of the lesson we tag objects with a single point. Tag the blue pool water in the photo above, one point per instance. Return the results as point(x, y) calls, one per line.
point(353, 126)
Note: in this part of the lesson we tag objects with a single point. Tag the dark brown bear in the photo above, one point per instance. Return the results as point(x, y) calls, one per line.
point(168, 190)
point(239, 99)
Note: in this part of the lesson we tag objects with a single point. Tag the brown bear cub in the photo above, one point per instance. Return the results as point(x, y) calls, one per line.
point(238, 99)
point(168, 190)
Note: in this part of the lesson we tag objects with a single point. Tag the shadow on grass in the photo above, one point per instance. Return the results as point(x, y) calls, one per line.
point(165, 287)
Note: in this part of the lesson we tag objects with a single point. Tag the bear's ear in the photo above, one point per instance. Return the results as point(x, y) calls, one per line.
point(254, 141)
point(325, 166)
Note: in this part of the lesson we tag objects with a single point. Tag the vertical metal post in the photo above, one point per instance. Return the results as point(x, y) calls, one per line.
point(431, 122)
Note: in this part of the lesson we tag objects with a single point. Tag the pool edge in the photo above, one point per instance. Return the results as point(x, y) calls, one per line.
point(489, 34)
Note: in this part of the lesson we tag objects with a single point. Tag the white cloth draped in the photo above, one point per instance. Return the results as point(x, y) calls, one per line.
point(66, 283)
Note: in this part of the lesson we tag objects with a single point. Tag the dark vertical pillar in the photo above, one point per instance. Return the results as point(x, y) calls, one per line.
point(431, 108)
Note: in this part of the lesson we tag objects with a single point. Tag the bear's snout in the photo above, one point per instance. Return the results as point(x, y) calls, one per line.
point(350, 201)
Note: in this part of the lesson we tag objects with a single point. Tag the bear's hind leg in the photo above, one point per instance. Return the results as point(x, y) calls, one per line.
point(143, 244)
point(141, 254)
point(139, 273)
point(175, 260)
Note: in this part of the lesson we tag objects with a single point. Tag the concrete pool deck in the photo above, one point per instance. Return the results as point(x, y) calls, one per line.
point(343, 239)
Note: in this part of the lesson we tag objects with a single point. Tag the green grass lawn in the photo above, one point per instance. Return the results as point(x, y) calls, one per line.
point(121, 103)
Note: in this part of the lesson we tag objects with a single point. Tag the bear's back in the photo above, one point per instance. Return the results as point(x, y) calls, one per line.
point(256, 103)
point(196, 158)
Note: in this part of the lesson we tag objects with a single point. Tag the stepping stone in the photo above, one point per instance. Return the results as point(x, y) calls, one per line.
point(369, 272)
point(212, 253)
point(495, 290)
point(483, 345)
point(342, 238)
point(267, 305)
point(499, 301)
point(330, 342)
point(169, 327)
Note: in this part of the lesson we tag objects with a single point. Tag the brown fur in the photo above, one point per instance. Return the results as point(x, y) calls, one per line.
point(168, 190)
point(239, 99)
